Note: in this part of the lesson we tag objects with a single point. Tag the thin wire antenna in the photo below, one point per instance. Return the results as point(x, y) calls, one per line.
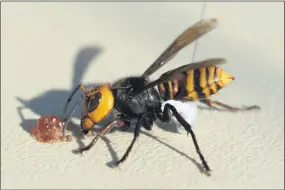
point(196, 43)
point(66, 120)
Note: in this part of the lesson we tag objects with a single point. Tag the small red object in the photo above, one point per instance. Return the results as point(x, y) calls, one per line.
point(49, 130)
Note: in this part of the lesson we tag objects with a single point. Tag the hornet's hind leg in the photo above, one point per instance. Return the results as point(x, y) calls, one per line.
point(166, 116)
point(211, 104)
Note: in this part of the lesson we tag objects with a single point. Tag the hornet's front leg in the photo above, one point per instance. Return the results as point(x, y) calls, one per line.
point(211, 104)
point(166, 116)
point(103, 132)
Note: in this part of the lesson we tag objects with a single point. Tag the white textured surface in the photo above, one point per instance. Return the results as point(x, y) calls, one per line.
point(40, 42)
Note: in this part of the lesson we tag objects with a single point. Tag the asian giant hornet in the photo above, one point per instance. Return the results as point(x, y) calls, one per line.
point(137, 97)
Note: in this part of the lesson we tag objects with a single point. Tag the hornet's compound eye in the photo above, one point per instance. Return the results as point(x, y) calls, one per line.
point(94, 102)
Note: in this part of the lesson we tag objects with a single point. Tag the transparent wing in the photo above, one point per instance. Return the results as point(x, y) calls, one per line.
point(187, 37)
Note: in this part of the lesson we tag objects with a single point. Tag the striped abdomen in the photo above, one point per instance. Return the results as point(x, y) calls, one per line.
point(195, 84)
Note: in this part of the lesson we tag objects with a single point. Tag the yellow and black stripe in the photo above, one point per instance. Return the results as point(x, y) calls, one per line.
point(195, 84)
point(169, 90)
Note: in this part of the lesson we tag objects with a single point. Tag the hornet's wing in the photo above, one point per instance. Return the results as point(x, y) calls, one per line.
point(187, 37)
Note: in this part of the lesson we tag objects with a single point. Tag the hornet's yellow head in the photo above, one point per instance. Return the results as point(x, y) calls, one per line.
point(97, 105)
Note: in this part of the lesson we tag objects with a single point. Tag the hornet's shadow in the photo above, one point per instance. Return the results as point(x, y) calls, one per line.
point(52, 101)
point(115, 156)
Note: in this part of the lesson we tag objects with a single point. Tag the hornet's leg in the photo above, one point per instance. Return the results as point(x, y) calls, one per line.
point(211, 103)
point(136, 135)
point(166, 118)
point(103, 132)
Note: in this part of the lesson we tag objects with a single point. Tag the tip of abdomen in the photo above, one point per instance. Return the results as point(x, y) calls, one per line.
point(223, 77)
